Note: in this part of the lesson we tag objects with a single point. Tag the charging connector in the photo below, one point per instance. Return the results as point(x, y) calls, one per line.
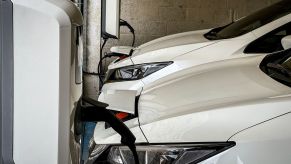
point(97, 112)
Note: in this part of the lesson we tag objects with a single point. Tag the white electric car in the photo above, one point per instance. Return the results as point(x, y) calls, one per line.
point(210, 96)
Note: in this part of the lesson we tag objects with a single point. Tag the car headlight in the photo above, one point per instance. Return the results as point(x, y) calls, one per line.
point(134, 72)
point(96, 152)
point(167, 154)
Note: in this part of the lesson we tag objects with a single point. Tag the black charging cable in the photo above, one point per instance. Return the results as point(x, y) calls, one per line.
point(126, 24)
point(107, 55)
point(100, 72)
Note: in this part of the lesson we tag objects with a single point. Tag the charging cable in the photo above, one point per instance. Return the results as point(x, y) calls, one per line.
point(126, 24)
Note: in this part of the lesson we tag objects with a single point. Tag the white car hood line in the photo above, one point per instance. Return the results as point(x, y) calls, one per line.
point(166, 48)
point(172, 41)
point(211, 104)
point(208, 94)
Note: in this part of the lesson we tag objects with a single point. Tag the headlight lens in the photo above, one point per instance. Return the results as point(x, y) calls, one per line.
point(134, 72)
point(95, 151)
point(167, 154)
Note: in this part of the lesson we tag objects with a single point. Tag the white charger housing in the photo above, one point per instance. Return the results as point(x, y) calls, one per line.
point(111, 19)
point(46, 88)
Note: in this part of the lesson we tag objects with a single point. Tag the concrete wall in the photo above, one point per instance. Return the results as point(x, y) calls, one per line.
point(92, 30)
point(156, 18)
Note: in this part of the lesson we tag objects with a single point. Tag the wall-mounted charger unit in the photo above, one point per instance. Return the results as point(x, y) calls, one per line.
point(110, 19)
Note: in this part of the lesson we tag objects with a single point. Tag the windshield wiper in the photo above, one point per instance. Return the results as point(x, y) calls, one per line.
point(213, 34)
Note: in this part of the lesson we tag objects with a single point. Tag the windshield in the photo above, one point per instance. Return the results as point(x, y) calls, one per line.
point(251, 22)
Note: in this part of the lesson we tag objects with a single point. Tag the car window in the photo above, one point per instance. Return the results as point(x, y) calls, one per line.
point(270, 42)
point(251, 22)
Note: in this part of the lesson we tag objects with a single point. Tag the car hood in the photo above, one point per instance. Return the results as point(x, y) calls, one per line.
point(180, 39)
point(166, 48)
point(211, 102)
point(215, 102)
point(169, 47)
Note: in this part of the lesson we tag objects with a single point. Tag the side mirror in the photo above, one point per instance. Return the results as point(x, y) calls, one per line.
point(286, 42)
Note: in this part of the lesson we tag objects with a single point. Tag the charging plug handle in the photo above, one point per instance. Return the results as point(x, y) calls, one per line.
point(97, 112)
